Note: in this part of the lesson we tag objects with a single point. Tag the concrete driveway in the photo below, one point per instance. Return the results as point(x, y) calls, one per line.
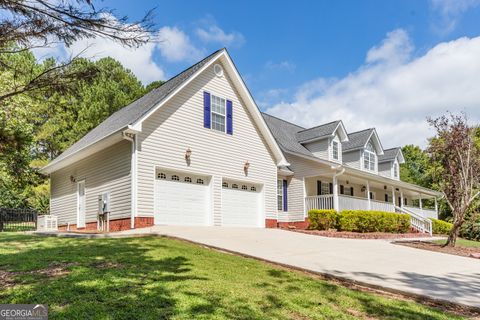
point(375, 262)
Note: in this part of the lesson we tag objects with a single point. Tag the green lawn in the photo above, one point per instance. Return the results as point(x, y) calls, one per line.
point(462, 243)
point(159, 278)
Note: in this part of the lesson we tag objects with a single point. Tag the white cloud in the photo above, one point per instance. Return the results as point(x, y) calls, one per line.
point(450, 12)
point(394, 91)
point(138, 60)
point(282, 65)
point(214, 34)
point(175, 45)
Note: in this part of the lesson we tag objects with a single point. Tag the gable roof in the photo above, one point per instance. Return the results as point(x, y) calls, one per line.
point(358, 140)
point(322, 131)
point(391, 154)
point(131, 116)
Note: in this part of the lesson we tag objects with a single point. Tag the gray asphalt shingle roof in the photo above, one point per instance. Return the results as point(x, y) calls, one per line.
point(135, 110)
point(284, 133)
point(318, 132)
point(357, 140)
point(388, 154)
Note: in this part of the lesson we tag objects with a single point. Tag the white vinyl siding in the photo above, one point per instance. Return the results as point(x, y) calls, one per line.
point(178, 125)
point(319, 148)
point(105, 171)
point(296, 188)
point(353, 158)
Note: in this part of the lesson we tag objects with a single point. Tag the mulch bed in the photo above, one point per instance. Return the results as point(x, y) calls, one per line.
point(357, 235)
point(425, 245)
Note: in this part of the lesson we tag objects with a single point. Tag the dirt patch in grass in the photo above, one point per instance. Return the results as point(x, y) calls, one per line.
point(357, 235)
point(54, 270)
point(107, 265)
point(426, 245)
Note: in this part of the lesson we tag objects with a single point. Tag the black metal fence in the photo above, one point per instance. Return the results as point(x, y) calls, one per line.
point(18, 219)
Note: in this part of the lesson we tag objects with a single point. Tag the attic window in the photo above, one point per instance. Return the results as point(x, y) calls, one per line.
point(369, 157)
point(335, 150)
point(395, 170)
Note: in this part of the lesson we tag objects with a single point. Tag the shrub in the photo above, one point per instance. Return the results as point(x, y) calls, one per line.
point(440, 226)
point(322, 219)
point(373, 221)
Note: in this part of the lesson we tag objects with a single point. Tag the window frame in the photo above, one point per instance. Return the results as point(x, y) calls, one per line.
point(337, 150)
point(212, 113)
point(369, 158)
point(280, 195)
point(395, 169)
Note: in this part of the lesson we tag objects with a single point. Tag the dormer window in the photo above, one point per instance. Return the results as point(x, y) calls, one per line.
point(369, 157)
point(335, 150)
point(395, 170)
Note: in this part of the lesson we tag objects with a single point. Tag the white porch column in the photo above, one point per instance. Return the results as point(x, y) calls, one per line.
point(420, 202)
point(335, 193)
point(393, 196)
point(401, 198)
point(436, 206)
point(368, 196)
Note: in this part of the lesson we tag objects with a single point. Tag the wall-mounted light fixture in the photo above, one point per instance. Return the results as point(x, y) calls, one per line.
point(246, 166)
point(364, 188)
point(188, 154)
point(72, 179)
point(384, 187)
point(348, 182)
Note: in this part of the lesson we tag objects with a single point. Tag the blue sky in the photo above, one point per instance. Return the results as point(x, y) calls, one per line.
point(371, 63)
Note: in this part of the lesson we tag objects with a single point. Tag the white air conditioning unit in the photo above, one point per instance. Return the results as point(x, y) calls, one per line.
point(47, 223)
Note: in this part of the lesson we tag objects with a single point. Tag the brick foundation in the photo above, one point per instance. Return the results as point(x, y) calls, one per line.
point(273, 223)
point(115, 225)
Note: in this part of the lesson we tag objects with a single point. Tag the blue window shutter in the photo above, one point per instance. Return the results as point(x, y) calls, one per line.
point(206, 109)
point(229, 117)
point(285, 195)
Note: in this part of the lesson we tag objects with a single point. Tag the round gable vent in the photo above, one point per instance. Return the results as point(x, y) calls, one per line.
point(218, 70)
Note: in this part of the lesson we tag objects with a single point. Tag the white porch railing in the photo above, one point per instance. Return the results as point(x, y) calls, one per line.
point(319, 202)
point(382, 206)
point(426, 213)
point(47, 223)
point(352, 203)
point(418, 222)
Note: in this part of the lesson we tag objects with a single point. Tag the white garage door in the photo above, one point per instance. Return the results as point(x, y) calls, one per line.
point(241, 204)
point(181, 199)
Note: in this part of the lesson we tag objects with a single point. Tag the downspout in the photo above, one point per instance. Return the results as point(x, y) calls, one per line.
point(133, 176)
point(335, 187)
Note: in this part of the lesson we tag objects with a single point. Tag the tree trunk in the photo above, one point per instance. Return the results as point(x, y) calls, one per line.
point(452, 237)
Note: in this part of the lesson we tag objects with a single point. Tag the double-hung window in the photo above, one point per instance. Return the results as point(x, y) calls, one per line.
point(369, 158)
point(395, 170)
point(335, 150)
point(218, 113)
point(280, 195)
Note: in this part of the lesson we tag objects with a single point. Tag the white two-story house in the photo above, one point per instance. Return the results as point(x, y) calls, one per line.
point(197, 151)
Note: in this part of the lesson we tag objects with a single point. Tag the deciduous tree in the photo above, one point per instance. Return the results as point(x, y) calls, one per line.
point(457, 151)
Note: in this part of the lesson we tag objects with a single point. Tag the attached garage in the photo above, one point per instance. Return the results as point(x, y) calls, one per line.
point(241, 204)
point(182, 198)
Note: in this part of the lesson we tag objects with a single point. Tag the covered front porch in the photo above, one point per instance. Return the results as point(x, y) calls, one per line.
point(347, 191)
